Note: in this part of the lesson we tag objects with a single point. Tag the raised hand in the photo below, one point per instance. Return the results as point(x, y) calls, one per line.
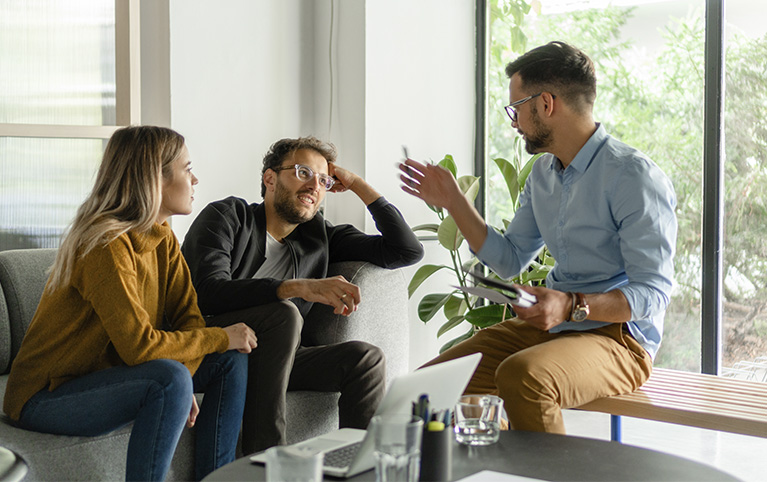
point(431, 183)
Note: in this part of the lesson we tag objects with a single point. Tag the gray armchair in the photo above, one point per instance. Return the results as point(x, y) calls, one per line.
point(381, 319)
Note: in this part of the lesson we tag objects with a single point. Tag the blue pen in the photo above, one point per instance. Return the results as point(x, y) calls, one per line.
point(423, 407)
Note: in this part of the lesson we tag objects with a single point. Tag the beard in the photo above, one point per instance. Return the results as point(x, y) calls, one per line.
point(540, 139)
point(285, 206)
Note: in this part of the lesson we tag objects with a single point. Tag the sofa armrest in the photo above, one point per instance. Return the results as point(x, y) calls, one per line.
point(381, 318)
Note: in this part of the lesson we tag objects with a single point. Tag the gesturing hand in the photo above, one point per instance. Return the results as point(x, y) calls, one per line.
point(241, 338)
point(431, 183)
point(336, 292)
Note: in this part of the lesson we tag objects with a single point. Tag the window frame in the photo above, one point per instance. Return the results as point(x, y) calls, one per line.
point(127, 88)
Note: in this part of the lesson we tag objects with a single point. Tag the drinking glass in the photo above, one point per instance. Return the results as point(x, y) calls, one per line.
point(478, 419)
point(397, 447)
point(291, 464)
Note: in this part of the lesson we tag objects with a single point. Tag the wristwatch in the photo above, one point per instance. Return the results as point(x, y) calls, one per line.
point(580, 308)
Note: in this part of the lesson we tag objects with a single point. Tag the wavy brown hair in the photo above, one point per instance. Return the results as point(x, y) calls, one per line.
point(126, 196)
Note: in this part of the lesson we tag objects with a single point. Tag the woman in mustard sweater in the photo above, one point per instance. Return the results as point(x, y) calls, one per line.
point(118, 337)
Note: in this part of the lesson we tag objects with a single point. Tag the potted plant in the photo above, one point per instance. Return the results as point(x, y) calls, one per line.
point(457, 305)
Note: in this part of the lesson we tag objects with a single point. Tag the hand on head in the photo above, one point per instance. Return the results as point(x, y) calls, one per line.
point(344, 177)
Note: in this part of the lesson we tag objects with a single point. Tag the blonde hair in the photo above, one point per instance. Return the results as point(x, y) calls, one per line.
point(125, 197)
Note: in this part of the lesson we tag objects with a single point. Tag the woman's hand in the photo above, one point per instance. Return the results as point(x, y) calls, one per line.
point(241, 338)
point(193, 413)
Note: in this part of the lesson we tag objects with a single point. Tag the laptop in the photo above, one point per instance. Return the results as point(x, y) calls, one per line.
point(349, 451)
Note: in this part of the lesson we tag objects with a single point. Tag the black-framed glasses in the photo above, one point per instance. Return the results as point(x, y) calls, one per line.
point(306, 174)
point(512, 113)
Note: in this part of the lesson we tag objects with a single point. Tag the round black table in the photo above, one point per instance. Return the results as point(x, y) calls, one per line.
point(541, 456)
point(12, 467)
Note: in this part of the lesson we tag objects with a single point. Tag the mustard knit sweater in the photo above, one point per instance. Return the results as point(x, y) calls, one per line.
point(129, 302)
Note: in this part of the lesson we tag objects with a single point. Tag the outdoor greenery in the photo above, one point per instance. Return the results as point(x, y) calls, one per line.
point(656, 104)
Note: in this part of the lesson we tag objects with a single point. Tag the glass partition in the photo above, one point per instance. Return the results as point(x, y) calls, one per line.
point(744, 305)
point(42, 182)
point(57, 59)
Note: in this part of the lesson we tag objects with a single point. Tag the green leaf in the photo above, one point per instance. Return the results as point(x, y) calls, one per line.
point(431, 304)
point(422, 275)
point(469, 186)
point(511, 176)
point(455, 306)
point(456, 341)
point(448, 234)
point(431, 227)
point(485, 316)
point(449, 164)
point(470, 264)
point(451, 323)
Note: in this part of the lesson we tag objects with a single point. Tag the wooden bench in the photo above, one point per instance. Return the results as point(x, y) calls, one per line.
point(693, 399)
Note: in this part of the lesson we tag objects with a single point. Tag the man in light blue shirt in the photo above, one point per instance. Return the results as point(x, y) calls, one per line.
point(606, 213)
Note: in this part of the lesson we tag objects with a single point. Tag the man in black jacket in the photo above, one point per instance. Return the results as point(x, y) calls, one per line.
point(266, 264)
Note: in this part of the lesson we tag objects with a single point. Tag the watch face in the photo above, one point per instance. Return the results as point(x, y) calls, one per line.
point(580, 314)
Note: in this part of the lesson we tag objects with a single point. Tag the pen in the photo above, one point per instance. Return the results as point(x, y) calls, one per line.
point(404, 150)
point(423, 407)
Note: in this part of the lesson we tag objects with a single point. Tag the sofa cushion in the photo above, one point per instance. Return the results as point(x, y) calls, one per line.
point(23, 274)
point(5, 335)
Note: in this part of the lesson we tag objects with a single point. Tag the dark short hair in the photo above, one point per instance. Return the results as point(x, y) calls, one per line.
point(558, 68)
point(283, 148)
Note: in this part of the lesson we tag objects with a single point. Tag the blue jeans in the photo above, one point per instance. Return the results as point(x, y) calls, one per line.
point(157, 397)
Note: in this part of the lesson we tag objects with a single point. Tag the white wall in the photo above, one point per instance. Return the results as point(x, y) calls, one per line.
point(236, 72)
point(420, 93)
point(245, 73)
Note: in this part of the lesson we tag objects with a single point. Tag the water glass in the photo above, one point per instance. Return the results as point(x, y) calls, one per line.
point(478, 419)
point(397, 447)
point(291, 464)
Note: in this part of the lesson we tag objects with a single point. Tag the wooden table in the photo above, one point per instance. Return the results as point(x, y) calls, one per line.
point(542, 456)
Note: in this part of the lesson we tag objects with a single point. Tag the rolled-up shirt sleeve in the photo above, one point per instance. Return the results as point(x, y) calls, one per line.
point(643, 206)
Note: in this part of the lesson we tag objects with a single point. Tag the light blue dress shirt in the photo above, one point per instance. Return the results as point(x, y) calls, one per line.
point(608, 219)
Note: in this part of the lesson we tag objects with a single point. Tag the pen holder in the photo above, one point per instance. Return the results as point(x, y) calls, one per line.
point(436, 455)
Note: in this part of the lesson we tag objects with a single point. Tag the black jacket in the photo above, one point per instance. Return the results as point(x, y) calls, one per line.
point(226, 245)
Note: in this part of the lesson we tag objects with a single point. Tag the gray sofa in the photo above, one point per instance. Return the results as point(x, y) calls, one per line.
point(381, 320)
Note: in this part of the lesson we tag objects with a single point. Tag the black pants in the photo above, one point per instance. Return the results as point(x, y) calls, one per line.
point(279, 364)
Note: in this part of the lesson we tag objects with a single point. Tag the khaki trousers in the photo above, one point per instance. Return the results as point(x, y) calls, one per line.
point(538, 373)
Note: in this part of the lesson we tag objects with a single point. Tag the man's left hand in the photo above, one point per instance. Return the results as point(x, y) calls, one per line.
point(553, 308)
point(344, 177)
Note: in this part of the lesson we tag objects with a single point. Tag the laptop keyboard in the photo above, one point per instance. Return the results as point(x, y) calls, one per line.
point(341, 457)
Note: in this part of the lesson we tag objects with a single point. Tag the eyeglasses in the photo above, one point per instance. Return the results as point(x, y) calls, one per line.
point(512, 113)
point(306, 174)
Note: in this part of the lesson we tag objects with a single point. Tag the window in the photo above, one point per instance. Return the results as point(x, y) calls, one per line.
point(68, 82)
point(650, 59)
point(744, 330)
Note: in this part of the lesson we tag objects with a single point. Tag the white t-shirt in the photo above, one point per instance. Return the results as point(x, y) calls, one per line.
point(278, 264)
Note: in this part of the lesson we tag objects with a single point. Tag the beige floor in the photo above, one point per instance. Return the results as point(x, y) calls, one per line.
point(739, 455)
